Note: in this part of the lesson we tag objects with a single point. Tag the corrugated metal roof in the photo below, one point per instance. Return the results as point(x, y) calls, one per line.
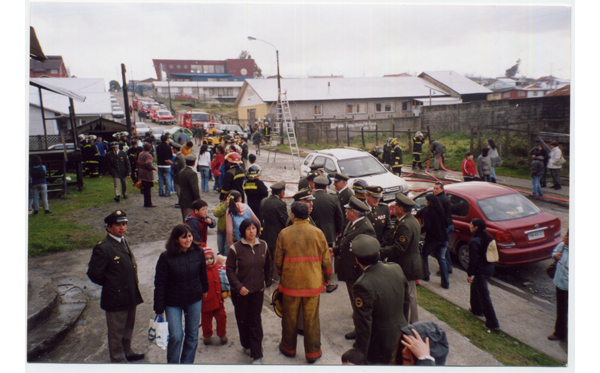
point(163, 84)
point(564, 91)
point(342, 88)
point(97, 101)
point(439, 100)
point(456, 82)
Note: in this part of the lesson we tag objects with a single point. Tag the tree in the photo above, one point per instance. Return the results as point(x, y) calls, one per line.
point(510, 73)
point(114, 86)
point(244, 55)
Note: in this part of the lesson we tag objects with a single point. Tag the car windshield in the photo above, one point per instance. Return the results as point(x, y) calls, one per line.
point(163, 112)
point(507, 207)
point(200, 117)
point(141, 125)
point(363, 166)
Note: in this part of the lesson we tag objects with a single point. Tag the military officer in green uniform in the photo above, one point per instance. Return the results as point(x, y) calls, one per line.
point(348, 269)
point(381, 302)
point(379, 214)
point(404, 249)
point(360, 189)
point(113, 267)
point(305, 196)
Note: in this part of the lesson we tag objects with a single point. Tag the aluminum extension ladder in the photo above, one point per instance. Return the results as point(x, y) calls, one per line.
point(284, 116)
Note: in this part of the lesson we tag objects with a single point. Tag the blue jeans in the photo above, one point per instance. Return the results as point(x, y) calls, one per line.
point(218, 183)
point(493, 175)
point(40, 189)
point(204, 177)
point(164, 180)
point(487, 178)
point(190, 342)
point(438, 249)
point(537, 188)
point(449, 230)
point(222, 243)
point(481, 302)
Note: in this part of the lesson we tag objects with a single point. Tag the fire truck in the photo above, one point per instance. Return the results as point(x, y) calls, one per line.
point(192, 118)
point(138, 101)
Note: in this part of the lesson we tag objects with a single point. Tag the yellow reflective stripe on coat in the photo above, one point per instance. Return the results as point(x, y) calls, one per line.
point(238, 176)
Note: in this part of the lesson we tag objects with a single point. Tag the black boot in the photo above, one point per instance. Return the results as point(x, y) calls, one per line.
point(414, 165)
point(493, 180)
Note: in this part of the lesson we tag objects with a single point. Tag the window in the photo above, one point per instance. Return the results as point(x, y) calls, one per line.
point(179, 66)
point(185, 66)
point(507, 207)
point(209, 69)
point(197, 69)
point(384, 107)
point(506, 95)
point(522, 93)
point(53, 71)
point(220, 69)
point(318, 110)
point(458, 206)
point(405, 106)
point(170, 66)
point(356, 108)
point(307, 160)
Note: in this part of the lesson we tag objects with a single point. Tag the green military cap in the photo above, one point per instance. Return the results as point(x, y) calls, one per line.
point(375, 191)
point(304, 195)
point(404, 200)
point(311, 175)
point(321, 180)
point(356, 204)
point(116, 217)
point(316, 166)
point(190, 158)
point(360, 186)
point(338, 176)
point(114, 144)
point(364, 246)
point(176, 145)
point(278, 185)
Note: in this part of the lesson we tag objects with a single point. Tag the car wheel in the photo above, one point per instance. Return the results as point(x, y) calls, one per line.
point(463, 255)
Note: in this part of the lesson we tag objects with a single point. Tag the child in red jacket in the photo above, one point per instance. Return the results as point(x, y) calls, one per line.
point(212, 304)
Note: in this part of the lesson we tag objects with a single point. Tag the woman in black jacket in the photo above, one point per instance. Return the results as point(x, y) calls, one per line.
point(434, 225)
point(179, 286)
point(479, 272)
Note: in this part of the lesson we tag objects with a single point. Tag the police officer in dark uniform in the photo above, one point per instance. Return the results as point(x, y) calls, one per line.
point(379, 214)
point(348, 269)
point(340, 182)
point(404, 249)
point(274, 215)
point(113, 267)
point(396, 157)
point(255, 190)
point(327, 215)
point(381, 302)
point(133, 154)
point(418, 141)
point(306, 181)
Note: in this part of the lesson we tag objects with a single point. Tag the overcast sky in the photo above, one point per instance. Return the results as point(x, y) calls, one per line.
point(349, 39)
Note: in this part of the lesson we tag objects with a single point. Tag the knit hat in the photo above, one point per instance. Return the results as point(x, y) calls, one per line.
point(208, 250)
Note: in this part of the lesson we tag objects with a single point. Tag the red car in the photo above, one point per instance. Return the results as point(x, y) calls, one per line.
point(185, 97)
point(523, 232)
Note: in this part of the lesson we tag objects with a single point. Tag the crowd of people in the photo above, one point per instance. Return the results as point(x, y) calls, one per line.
point(350, 236)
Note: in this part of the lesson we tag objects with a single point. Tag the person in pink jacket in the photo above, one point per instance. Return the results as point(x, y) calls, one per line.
point(212, 304)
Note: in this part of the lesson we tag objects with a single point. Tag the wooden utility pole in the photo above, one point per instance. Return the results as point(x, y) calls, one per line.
point(126, 102)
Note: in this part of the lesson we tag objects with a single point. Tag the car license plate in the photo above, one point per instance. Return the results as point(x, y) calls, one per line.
point(535, 235)
point(388, 197)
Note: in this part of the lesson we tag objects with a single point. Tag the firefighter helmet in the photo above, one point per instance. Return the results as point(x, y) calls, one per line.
point(233, 157)
point(254, 171)
point(277, 302)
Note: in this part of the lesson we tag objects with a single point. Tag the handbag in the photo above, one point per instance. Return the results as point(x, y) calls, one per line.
point(158, 331)
point(496, 161)
point(562, 161)
point(491, 253)
point(551, 269)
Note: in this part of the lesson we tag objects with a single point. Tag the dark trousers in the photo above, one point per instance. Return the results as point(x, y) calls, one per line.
point(481, 302)
point(120, 330)
point(555, 177)
point(562, 313)
point(438, 249)
point(247, 314)
point(349, 285)
point(146, 187)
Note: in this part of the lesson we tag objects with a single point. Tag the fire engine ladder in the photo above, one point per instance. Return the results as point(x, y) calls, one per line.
point(284, 116)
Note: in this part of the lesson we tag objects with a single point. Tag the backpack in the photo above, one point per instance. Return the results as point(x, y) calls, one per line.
point(492, 252)
point(37, 172)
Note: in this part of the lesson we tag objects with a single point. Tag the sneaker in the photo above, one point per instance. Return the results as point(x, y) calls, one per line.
point(257, 361)
point(553, 337)
point(118, 199)
point(35, 212)
point(47, 212)
point(331, 287)
point(207, 341)
point(177, 206)
point(223, 339)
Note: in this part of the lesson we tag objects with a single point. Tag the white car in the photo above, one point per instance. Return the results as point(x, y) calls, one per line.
point(117, 112)
point(357, 164)
point(141, 129)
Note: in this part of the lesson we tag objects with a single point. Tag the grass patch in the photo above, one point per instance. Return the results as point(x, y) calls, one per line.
point(515, 160)
point(505, 349)
point(59, 231)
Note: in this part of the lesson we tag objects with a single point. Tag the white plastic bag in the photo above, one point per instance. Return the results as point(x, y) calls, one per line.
point(158, 331)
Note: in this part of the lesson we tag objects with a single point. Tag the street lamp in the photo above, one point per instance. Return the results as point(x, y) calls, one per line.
point(278, 83)
point(169, 85)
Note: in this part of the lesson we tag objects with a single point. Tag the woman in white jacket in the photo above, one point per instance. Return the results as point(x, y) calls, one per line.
point(554, 164)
